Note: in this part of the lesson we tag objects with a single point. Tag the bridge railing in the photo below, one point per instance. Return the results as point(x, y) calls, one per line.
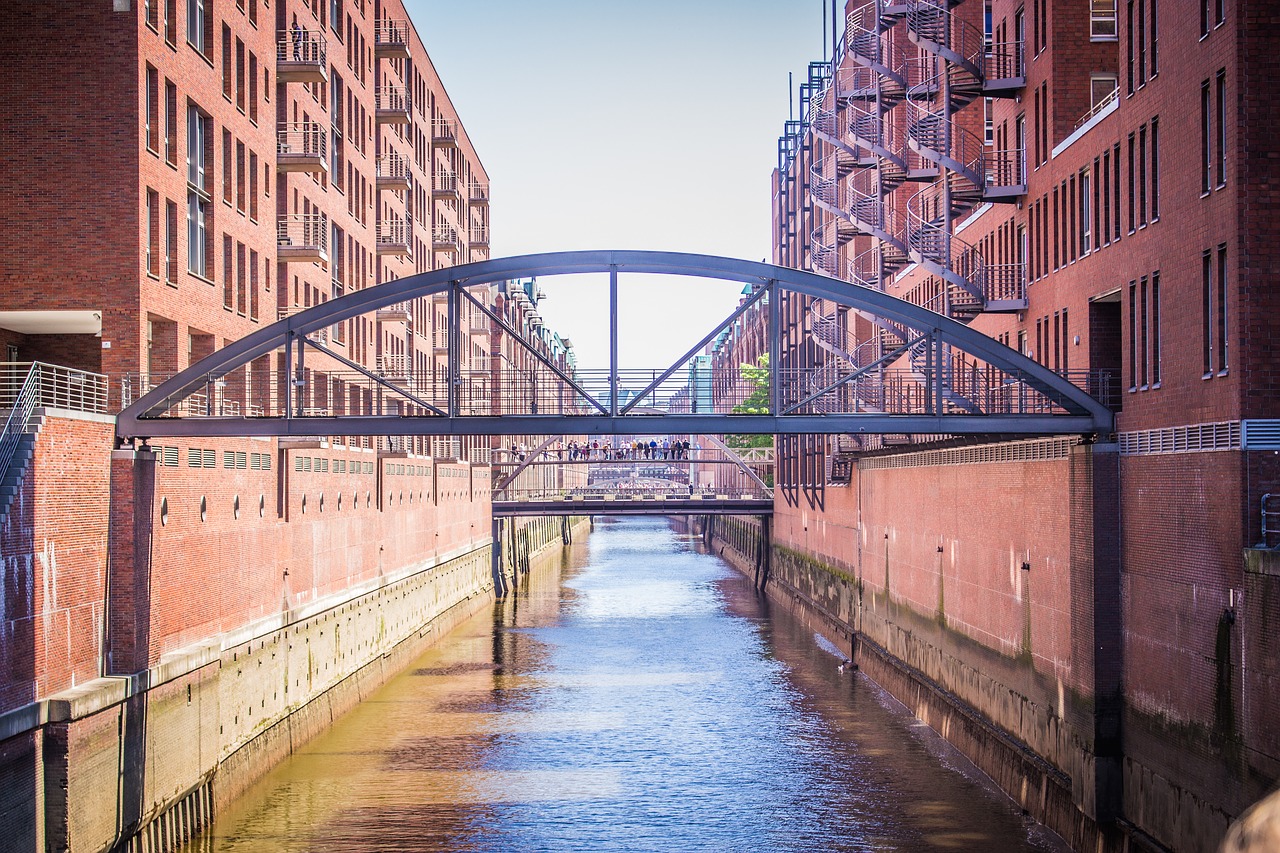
point(606, 491)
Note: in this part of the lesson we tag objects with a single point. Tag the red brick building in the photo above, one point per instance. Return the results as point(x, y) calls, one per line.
point(1090, 184)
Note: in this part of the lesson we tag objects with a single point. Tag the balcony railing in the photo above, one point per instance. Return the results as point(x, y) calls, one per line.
point(301, 56)
point(444, 236)
point(391, 39)
point(479, 235)
point(444, 183)
point(397, 312)
point(444, 131)
point(303, 237)
point(300, 147)
point(394, 237)
point(479, 192)
point(392, 104)
point(393, 172)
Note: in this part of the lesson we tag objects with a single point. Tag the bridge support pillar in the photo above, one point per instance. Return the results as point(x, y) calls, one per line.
point(499, 576)
point(764, 552)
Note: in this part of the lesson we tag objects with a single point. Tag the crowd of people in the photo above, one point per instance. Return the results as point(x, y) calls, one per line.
point(604, 451)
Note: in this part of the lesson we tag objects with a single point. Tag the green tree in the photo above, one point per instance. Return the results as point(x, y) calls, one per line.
point(756, 377)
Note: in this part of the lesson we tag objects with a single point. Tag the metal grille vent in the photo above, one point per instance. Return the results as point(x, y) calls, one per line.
point(1195, 438)
point(1261, 434)
point(1035, 450)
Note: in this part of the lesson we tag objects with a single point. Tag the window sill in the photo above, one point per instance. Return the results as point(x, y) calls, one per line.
point(199, 277)
point(154, 276)
point(151, 150)
point(1224, 372)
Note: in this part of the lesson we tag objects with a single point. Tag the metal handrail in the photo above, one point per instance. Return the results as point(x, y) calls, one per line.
point(301, 46)
point(1273, 514)
point(59, 387)
point(1099, 107)
point(19, 418)
point(301, 137)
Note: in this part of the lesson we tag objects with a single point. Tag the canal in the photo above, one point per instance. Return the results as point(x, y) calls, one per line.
point(639, 697)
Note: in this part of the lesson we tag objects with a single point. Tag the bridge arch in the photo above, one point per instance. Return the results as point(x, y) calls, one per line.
point(1034, 399)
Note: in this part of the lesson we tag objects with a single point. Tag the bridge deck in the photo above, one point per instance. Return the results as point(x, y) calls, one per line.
point(635, 505)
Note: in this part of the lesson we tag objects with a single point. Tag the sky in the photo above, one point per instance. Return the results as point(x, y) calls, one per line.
point(650, 124)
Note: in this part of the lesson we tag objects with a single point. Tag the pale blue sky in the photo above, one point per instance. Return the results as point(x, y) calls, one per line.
point(647, 125)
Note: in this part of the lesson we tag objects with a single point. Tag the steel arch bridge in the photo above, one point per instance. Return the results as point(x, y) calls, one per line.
point(1002, 392)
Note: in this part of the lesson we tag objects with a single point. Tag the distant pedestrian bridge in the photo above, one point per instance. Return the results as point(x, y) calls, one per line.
point(909, 370)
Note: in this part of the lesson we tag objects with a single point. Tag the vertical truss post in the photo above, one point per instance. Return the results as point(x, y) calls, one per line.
point(451, 357)
point(613, 340)
point(288, 379)
point(299, 378)
point(775, 348)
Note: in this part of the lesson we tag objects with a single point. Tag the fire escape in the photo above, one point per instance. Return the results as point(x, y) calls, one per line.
point(895, 165)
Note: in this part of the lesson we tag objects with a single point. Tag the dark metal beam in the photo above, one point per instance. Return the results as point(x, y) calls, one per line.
point(137, 420)
point(682, 424)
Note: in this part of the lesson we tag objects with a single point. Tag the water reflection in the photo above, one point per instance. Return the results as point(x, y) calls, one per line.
point(641, 698)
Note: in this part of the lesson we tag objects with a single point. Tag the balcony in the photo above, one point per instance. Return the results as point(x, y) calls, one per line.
point(301, 57)
point(398, 312)
point(300, 147)
point(303, 238)
point(393, 173)
point(392, 105)
point(391, 39)
point(444, 132)
point(444, 237)
point(478, 192)
point(395, 238)
point(397, 368)
point(444, 185)
point(479, 235)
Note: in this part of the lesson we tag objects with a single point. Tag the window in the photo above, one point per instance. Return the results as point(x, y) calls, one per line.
point(1222, 308)
point(253, 12)
point(1036, 113)
point(1133, 336)
point(151, 12)
point(1142, 43)
point(1132, 185)
point(152, 241)
point(1102, 88)
point(1153, 35)
point(253, 88)
point(1206, 305)
point(226, 166)
point(197, 25)
point(1206, 140)
point(1219, 13)
point(226, 62)
point(171, 21)
point(153, 110)
point(253, 186)
point(170, 122)
point(1115, 189)
point(241, 87)
point(228, 273)
point(199, 142)
point(1204, 18)
point(171, 243)
point(1105, 223)
point(1155, 329)
point(242, 185)
point(1142, 176)
point(242, 292)
point(988, 121)
point(253, 285)
point(1020, 145)
point(1102, 20)
point(1155, 169)
point(1222, 128)
point(1056, 219)
point(197, 235)
point(1129, 45)
point(1086, 199)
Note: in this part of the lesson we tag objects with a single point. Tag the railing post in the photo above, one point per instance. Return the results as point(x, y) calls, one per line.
point(288, 379)
point(451, 356)
point(775, 348)
point(299, 378)
point(613, 340)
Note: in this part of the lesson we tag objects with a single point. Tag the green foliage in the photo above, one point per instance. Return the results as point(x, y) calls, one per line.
point(756, 377)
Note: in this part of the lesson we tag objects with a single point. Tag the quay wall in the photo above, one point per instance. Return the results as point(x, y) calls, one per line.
point(992, 591)
point(177, 619)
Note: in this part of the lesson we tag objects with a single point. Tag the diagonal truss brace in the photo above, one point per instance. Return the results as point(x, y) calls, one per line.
point(884, 359)
point(684, 359)
point(379, 379)
point(528, 460)
point(739, 461)
point(539, 356)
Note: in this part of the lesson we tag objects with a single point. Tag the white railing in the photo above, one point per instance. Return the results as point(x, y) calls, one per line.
point(390, 32)
point(445, 181)
point(1099, 107)
point(392, 98)
point(394, 232)
point(444, 234)
point(479, 233)
point(55, 386)
point(392, 166)
point(299, 45)
point(303, 229)
point(304, 138)
point(479, 191)
point(443, 129)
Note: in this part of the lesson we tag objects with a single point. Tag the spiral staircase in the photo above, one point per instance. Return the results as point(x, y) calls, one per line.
point(884, 117)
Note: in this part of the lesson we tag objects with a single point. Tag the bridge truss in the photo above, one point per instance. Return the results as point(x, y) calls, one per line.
point(292, 378)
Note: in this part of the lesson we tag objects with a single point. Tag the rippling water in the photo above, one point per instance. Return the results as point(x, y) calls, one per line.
point(642, 699)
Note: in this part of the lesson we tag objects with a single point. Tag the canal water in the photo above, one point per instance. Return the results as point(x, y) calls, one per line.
point(641, 697)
